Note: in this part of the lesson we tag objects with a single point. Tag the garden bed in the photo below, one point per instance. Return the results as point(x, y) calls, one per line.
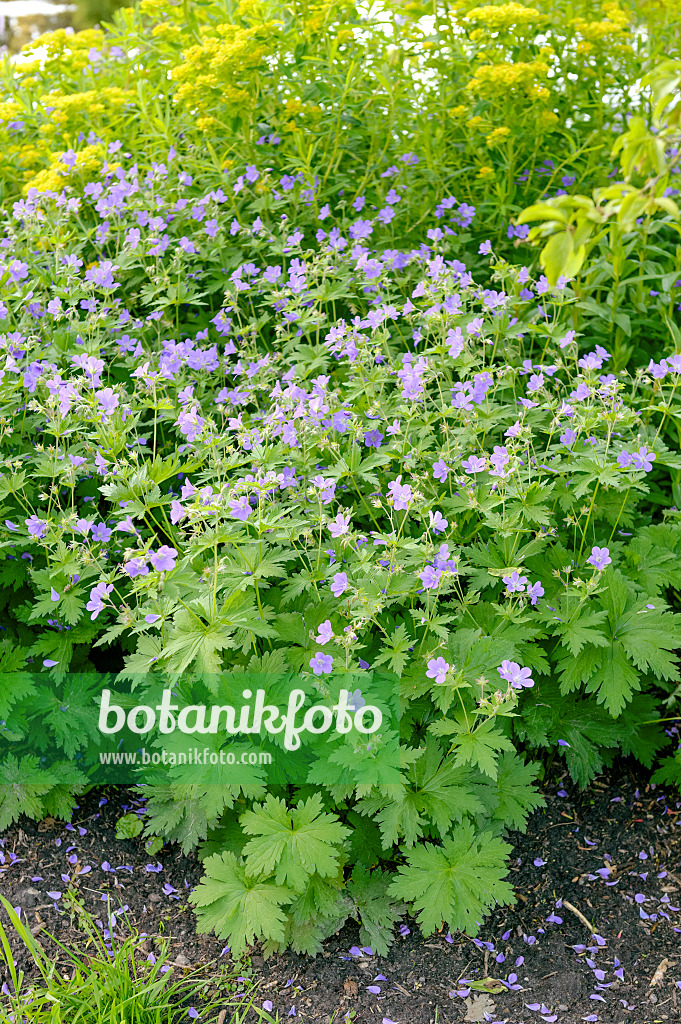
point(623, 825)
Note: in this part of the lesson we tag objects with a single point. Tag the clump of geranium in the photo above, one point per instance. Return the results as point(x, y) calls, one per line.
point(326, 454)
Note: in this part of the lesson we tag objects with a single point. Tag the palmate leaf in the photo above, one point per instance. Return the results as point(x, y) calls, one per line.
point(15, 684)
point(515, 793)
point(292, 843)
point(652, 558)
point(184, 813)
point(437, 794)
point(372, 907)
point(456, 883)
point(237, 906)
point(321, 897)
point(588, 730)
point(71, 716)
point(637, 636)
point(584, 628)
point(61, 799)
point(478, 746)
point(669, 771)
point(396, 650)
point(532, 504)
point(23, 782)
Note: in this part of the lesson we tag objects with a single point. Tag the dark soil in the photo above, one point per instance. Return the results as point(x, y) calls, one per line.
point(613, 853)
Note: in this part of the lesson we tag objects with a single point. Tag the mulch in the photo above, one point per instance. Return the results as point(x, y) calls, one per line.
point(608, 858)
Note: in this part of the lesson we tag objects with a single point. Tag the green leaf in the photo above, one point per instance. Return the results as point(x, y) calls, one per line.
point(476, 746)
point(23, 782)
point(373, 908)
point(396, 650)
point(292, 844)
point(236, 906)
point(516, 796)
point(456, 883)
point(128, 827)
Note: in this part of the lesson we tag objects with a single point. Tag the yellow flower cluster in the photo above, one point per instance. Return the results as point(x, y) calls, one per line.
point(9, 111)
point(100, 108)
point(70, 49)
point(225, 61)
point(615, 21)
point(497, 18)
point(498, 80)
point(497, 135)
point(54, 177)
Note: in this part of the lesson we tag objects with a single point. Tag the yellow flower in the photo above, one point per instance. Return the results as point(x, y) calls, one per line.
point(165, 30)
point(457, 112)
point(486, 172)
point(616, 21)
point(547, 118)
point(476, 123)
point(500, 80)
point(497, 135)
point(502, 17)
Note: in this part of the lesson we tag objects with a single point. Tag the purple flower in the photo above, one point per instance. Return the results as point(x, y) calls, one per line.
point(515, 675)
point(321, 664)
point(568, 437)
point(599, 557)
point(360, 229)
point(36, 527)
point(400, 493)
point(240, 508)
point(325, 633)
point(499, 459)
point(108, 399)
point(97, 597)
point(438, 523)
point(440, 470)
point(534, 592)
point(186, 245)
point(102, 275)
point(515, 583)
point(455, 341)
point(339, 525)
point(339, 584)
point(373, 438)
point(163, 560)
point(474, 464)
point(136, 567)
point(430, 577)
point(438, 669)
point(643, 459)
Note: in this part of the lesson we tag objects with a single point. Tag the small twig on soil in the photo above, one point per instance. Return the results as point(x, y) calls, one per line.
point(580, 915)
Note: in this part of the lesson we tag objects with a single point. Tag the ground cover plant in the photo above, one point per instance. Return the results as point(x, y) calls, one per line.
point(279, 396)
